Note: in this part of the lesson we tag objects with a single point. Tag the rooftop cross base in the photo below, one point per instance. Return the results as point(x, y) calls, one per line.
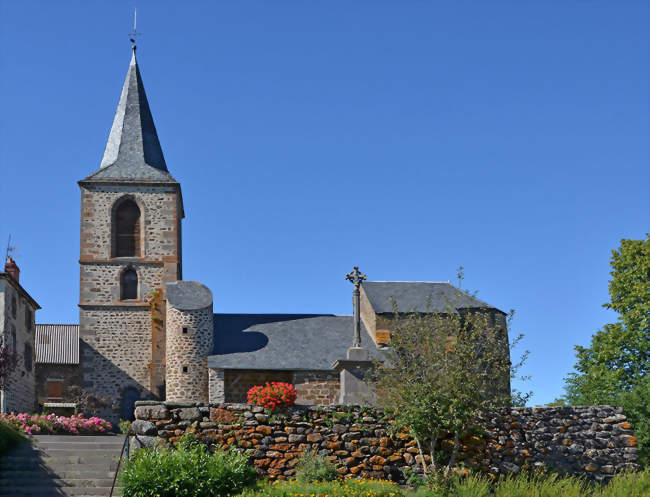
point(354, 390)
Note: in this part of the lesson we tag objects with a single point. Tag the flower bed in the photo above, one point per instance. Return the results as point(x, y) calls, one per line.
point(31, 424)
point(339, 488)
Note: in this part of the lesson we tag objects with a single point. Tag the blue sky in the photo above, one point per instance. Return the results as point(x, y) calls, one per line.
point(404, 137)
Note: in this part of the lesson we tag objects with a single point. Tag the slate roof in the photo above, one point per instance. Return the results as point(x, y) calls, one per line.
point(283, 341)
point(415, 295)
point(57, 343)
point(133, 151)
point(188, 295)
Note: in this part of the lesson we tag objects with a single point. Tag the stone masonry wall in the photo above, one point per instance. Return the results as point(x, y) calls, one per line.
point(313, 387)
point(117, 335)
point(20, 393)
point(317, 387)
point(116, 350)
point(187, 353)
point(592, 441)
point(100, 282)
point(158, 214)
point(237, 382)
point(69, 374)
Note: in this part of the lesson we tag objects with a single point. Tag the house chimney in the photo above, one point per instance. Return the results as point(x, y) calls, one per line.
point(12, 269)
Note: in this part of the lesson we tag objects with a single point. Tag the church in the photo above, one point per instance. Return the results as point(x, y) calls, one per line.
point(145, 333)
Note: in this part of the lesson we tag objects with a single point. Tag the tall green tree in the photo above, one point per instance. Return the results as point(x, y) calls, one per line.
point(614, 368)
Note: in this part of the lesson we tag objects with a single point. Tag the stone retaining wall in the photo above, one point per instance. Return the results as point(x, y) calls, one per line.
point(592, 441)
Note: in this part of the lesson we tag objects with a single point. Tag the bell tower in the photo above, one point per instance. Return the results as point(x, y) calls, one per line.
point(130, 247)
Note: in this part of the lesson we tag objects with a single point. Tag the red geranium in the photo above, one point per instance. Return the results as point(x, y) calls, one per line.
point(273, 395)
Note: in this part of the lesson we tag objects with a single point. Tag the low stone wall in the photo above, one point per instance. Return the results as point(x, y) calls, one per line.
point(593, 441)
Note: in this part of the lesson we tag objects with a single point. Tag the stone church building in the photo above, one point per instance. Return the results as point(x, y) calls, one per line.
point(145, 333)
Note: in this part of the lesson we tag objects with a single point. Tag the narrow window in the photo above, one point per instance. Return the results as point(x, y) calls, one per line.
point(14, 306)
point(129, 284)
point(12, 343)
point(184, 331)
point(28, 357)
point(184, 369)
point(28, 319)
point(127, 230)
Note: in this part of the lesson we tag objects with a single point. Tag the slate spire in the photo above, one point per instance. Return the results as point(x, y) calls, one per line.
point(133, 150)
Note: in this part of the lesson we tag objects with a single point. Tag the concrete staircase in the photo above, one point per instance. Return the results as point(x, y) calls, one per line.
point(61, 465)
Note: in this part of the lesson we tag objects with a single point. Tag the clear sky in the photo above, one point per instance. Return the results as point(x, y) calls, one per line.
point(404, 137)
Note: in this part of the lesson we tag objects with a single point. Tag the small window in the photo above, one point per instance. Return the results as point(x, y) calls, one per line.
point(54, 389)
point(184, 331)
point(12, 342)
point(27, 357)
point(129, 284)
point(14, 306)
point(184, 369)
point(29, 319)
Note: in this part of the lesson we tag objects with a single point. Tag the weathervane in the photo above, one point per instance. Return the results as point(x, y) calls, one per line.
point(135, 31)
point(355, 277)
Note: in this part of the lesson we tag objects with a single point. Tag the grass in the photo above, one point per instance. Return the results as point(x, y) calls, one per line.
point(522, 485)
point(9, 437)
point(338, 488)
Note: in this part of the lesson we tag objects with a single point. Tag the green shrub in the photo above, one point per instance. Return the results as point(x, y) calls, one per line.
point(312, 467)
point(189, 470)
point(9, 437)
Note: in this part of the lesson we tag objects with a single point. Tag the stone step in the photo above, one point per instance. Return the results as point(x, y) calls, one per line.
point(50, 491)
point(81, 472)
point(77, 438)
point(60, 460)
point(61, 465)
point(57, 452)
point(72, 445)
point(55, 466)
point(57, 482)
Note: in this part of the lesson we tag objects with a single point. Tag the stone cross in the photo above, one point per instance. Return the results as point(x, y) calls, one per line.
point(355, 277)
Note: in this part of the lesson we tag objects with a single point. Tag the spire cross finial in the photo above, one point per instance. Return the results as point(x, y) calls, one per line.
point(135, 31)
point(355, 277)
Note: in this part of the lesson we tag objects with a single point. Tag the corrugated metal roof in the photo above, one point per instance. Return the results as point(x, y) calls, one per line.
point(57, 343)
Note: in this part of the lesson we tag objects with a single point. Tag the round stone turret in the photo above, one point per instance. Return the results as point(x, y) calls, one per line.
point(189, 340)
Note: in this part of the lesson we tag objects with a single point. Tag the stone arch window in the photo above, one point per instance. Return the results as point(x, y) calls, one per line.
point(129, 284)
point(126, 227)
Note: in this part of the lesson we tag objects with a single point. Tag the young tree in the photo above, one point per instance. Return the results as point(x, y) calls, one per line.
point(442, 371)
point(614, 368)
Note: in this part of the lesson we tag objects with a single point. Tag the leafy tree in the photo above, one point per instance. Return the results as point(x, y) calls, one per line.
point(614, 368)
point(442, 371)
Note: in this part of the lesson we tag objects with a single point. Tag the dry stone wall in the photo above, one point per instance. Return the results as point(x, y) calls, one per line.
point(361, 442)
